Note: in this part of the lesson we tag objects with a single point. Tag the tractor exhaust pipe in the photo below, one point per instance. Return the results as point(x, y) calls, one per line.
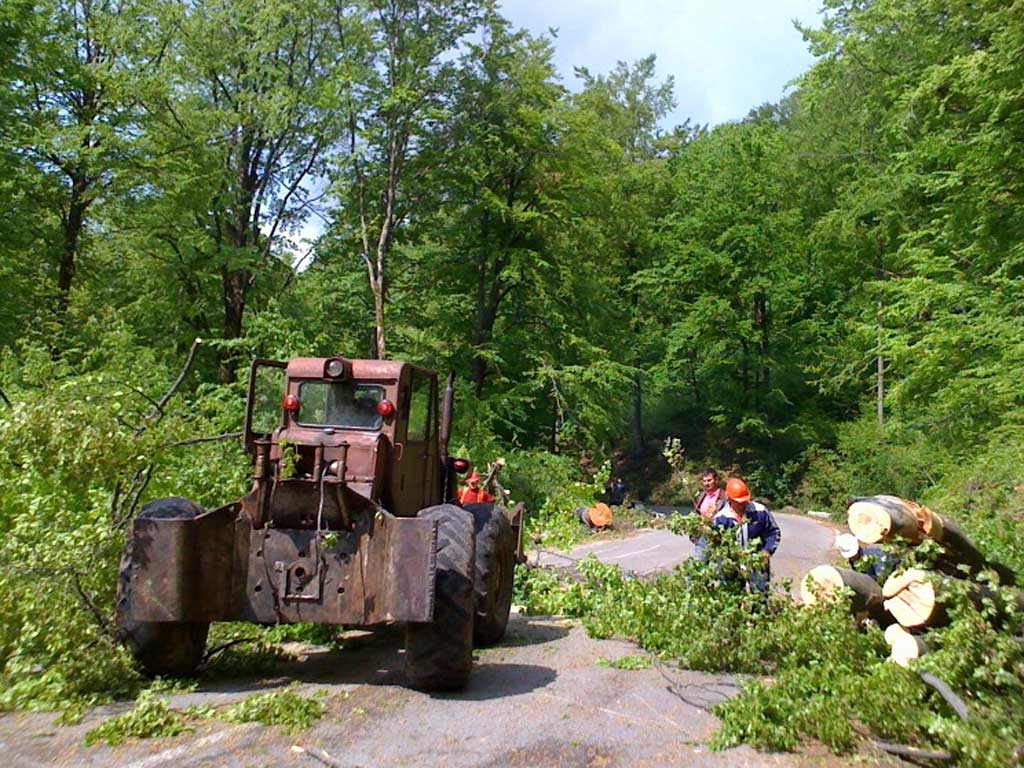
point(447, 405)
point(446, 416)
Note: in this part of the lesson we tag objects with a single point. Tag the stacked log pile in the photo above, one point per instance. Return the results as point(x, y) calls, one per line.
point(913, 600)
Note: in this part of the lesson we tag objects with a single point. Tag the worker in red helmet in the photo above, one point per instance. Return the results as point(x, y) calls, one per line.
point(755, 528)
point(472, 493)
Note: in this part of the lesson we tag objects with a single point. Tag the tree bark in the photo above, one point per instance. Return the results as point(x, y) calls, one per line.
point(638, 413)
point(879, 518)
point(236, 284)
point(73, 223)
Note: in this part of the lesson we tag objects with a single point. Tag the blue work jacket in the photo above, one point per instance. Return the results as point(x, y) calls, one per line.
point(759, 524)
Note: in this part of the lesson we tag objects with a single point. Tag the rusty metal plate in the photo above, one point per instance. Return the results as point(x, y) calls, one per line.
point(381, 572)
point(182, 569)
point(162, 574)
point(217, 567)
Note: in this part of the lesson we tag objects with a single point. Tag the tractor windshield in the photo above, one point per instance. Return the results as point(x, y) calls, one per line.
point(340, 404)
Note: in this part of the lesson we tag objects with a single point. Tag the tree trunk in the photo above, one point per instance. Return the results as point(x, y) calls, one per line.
point(73, 222)
point(879, 361)
point(876, 518)
point(761, 322)
point(964, 551)
point(638, 413)
point(236, 285)
point(825, 581)
point(913, 597)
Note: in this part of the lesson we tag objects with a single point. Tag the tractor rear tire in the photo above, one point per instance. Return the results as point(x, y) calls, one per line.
point(165, 648)
point(439, 653)
point(495, 569)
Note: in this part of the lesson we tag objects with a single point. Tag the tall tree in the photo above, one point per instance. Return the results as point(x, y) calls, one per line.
point(502, 140)
point(244, 125)
point(389, 120)
point(71, 120)
point(628, 105)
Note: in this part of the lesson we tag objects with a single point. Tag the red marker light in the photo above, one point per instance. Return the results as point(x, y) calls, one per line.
point(290, 403)
point(460, 465)
point(385, 408)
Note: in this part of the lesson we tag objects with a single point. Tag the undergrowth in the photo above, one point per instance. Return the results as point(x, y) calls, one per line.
point(152, 717)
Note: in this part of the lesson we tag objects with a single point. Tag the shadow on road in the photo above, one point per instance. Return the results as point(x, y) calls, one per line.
point(377, 658)
point(498, 680)
point(525, 632)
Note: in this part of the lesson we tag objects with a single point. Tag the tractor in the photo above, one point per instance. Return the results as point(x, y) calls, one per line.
point(350, 521)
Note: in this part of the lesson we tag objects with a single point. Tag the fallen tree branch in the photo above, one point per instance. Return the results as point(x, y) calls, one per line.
point(84, 596)
point(158, 408)
point(4, 398)
point(224, 646)
point(318, 754)
point(131, 497)
point(912, 753)
point(207, 439)
point(946, 693)
point(708, 689)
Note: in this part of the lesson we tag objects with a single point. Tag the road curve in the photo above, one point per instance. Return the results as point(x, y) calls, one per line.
point(805, 543)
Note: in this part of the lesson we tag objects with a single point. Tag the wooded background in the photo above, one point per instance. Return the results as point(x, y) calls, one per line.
point(826, 296)
point(839, 269)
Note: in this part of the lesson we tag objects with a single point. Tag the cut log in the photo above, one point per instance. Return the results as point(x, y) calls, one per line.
point(598, 516)
point(910, 597)
point(876, 518)
point(903, 646)
point(962, 550)
point(826, 581)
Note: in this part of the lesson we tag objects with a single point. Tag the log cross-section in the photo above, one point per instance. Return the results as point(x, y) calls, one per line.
point(911, 598)
point(904, 647)
point(826, 581)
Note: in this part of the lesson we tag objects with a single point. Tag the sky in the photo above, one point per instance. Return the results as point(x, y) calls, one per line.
point(727, 56)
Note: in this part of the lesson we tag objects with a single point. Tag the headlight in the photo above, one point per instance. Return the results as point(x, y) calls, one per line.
point(335, 368)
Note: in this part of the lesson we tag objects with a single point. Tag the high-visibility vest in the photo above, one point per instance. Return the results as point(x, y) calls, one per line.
point(474, 496)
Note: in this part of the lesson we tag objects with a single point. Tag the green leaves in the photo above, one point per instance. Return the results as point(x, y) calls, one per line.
point(284, 708)
point(151, 718)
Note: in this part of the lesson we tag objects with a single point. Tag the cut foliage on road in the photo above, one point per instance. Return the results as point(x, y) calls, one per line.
point(829, 679)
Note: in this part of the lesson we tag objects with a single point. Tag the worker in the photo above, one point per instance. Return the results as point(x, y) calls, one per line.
point(473, 493)
point(874, 561)
point(710, 501)
point(755, 528)
point(616, 492)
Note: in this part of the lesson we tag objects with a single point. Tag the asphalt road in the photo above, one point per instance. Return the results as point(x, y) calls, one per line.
point(540, 698)
point(805, 544)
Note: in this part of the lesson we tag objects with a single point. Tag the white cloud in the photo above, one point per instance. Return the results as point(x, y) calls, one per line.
point(726, 56)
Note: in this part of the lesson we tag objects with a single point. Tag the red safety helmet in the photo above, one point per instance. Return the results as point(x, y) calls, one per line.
point(473, 478)
point(736, 490)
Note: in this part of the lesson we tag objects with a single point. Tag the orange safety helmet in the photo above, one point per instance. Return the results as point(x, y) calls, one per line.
point(473, 478)
point(736, 490)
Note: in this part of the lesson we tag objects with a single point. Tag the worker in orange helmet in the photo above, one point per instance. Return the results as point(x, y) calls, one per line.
point(473, 493)
point(755, 528)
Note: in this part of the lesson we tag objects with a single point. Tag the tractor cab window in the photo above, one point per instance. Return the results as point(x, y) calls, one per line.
point(339, 404)
point(419, 409)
